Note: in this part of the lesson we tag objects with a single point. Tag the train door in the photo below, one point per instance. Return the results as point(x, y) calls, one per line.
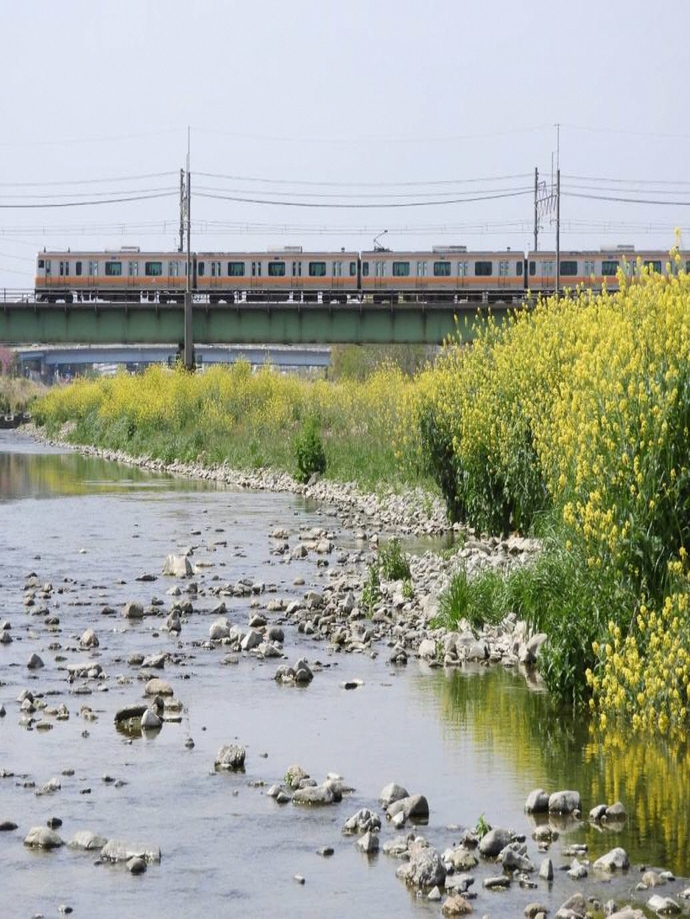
point(215, 282)
point(132, 282)
point(503, 274)
point(255, 281)
point(337, 275)
point(421, 275)
point(379, 274)
point(296, 282)
point(548, 273)
point(463, 272)
point(92, 277)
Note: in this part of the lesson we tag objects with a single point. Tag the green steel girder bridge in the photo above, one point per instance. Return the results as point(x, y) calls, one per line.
point(101, 323)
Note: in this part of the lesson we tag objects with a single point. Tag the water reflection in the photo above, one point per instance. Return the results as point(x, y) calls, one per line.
point(26, 475)
point(553, 748)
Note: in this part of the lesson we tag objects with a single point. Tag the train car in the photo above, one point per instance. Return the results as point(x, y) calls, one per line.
point(280, 274)
point(115, 275)
point(592, 269)
point(444, 274)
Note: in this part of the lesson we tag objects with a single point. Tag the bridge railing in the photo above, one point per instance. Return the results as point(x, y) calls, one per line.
point(16, 295)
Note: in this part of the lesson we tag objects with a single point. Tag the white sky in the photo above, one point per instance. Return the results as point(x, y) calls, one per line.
point(380, 95)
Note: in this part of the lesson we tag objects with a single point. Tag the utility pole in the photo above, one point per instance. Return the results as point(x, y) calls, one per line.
point(558, 210)
point(536, 209)
point(180, 248)
point(188, 313)
point(558, 232)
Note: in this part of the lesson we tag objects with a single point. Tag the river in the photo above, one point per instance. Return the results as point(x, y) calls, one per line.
point(474, 741)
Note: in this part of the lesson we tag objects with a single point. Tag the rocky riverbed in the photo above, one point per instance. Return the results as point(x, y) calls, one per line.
point(246, 622)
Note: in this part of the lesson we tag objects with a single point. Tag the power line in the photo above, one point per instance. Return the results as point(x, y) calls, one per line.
point(134, 178)
point(406, 195)
point(621, 200)
point(613, 181)
point(269, 181)
point(398, 204)
point(166, 194)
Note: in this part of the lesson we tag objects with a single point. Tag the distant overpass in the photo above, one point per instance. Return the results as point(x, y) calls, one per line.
point(47, 359)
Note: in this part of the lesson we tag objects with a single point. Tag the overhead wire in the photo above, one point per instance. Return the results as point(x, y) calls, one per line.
point(334, 204)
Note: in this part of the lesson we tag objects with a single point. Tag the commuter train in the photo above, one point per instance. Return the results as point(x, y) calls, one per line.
point(444, 274)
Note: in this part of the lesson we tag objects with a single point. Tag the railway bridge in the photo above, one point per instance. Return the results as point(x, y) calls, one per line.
point(281, 323)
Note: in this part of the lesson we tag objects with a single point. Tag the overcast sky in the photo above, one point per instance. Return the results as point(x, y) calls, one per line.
point(358, 102)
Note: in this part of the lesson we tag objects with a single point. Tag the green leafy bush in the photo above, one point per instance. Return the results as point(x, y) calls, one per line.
point(393, 561)
point(309, 451)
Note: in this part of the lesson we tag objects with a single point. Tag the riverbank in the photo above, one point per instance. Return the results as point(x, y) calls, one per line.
point(374, 519)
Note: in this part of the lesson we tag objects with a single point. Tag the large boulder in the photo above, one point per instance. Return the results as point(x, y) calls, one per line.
point(413, 807)
point(317, 795)
point(177, 566)
point(494, 842)
point(425, 868)
point(230, 757)
point(41, 837)
point(615, 860)
point(565, 802)
point(116, 850)
point(392, 792)
point(219, 629)
point(85, 839)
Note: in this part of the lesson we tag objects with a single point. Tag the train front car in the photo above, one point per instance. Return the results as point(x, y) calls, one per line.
point(278, 275)
point(122, 275)
point(446, 274)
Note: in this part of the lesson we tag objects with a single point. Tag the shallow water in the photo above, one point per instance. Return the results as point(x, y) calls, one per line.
point(474, 742)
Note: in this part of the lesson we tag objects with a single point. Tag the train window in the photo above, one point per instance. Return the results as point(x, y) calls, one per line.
point(589, 268)
point(653, 265)
point(441, 269)
point(317, 269)
point(215, 269)
point(503, 269)
point(401, 269)
point(463, 269)
point(365, 269)
point(153, 269)
point(518, 269)
point(276, 269)
point(256, 269)
point(532, 269)
point(113, 269)
point(353, 269)
point(133, 269)
point(93, 268)
point(174, 269)
point(297, 269)
point(609, 268)
point(200, 269)
point(78, 267)
point(64, 269)
point(337, 269)
point(41, 263)
point(236, 269)
point(483, 269)
point(568, 269)
point(422, 269)
point(48, 266)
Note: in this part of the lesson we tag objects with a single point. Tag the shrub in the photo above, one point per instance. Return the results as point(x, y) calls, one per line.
point(309, 451)
point(393, 562)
